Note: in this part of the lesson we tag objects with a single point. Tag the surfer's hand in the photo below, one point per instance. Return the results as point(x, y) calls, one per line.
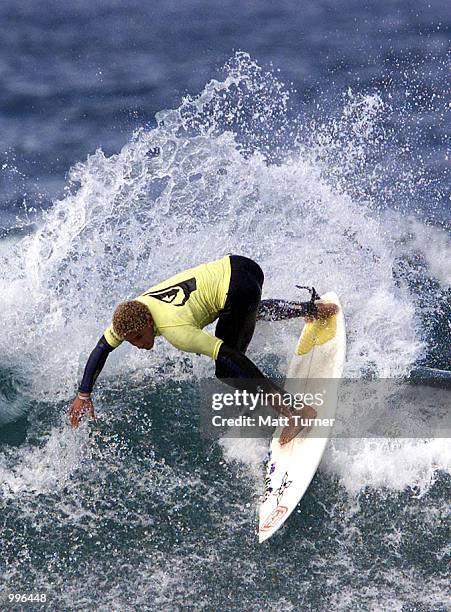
point(80, 407)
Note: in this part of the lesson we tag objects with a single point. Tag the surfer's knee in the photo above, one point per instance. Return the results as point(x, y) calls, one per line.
point(232, 363)
point(221, 371)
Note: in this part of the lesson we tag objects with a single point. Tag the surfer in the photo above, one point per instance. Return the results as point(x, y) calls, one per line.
point(227, 290)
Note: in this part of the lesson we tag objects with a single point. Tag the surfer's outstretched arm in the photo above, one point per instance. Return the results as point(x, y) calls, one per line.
point(94, 366)
point(279, 310)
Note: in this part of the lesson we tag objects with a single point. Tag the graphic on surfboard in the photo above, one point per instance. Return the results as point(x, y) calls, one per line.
point(315, 368)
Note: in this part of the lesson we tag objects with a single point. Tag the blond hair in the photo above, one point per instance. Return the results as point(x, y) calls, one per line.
point(130, 317)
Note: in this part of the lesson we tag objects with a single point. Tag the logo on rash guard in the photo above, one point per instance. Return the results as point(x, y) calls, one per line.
point(177, 294)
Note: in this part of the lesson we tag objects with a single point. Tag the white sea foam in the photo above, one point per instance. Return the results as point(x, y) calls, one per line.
point(394, 464)
point(134, 218)
point(44, 468)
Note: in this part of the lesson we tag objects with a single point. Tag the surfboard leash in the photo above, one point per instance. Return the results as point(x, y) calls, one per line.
point(311, 307)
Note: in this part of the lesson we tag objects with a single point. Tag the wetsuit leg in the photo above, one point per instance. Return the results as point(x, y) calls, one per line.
point(236, 322)
point(279, 310)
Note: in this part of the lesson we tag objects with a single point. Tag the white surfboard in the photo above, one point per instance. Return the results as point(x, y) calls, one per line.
point(315, 368)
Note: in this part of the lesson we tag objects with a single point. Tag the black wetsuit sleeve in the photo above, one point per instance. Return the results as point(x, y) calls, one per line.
point(238, 371)
point(94, 365)
point(277, 310)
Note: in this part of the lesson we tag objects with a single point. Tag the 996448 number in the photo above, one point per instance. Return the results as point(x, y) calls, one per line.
point(23, 597)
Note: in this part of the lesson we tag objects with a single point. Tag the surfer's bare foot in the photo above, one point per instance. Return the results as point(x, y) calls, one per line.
point(326, 310)
point(295, 424)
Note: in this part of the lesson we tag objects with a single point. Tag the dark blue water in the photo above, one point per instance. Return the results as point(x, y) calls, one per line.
point(81, 76)
point(311, 136)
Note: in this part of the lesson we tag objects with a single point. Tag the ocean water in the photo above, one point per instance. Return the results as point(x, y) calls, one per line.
point(141, 139)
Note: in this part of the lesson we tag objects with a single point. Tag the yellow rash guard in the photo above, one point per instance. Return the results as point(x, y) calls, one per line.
point(184, 304)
